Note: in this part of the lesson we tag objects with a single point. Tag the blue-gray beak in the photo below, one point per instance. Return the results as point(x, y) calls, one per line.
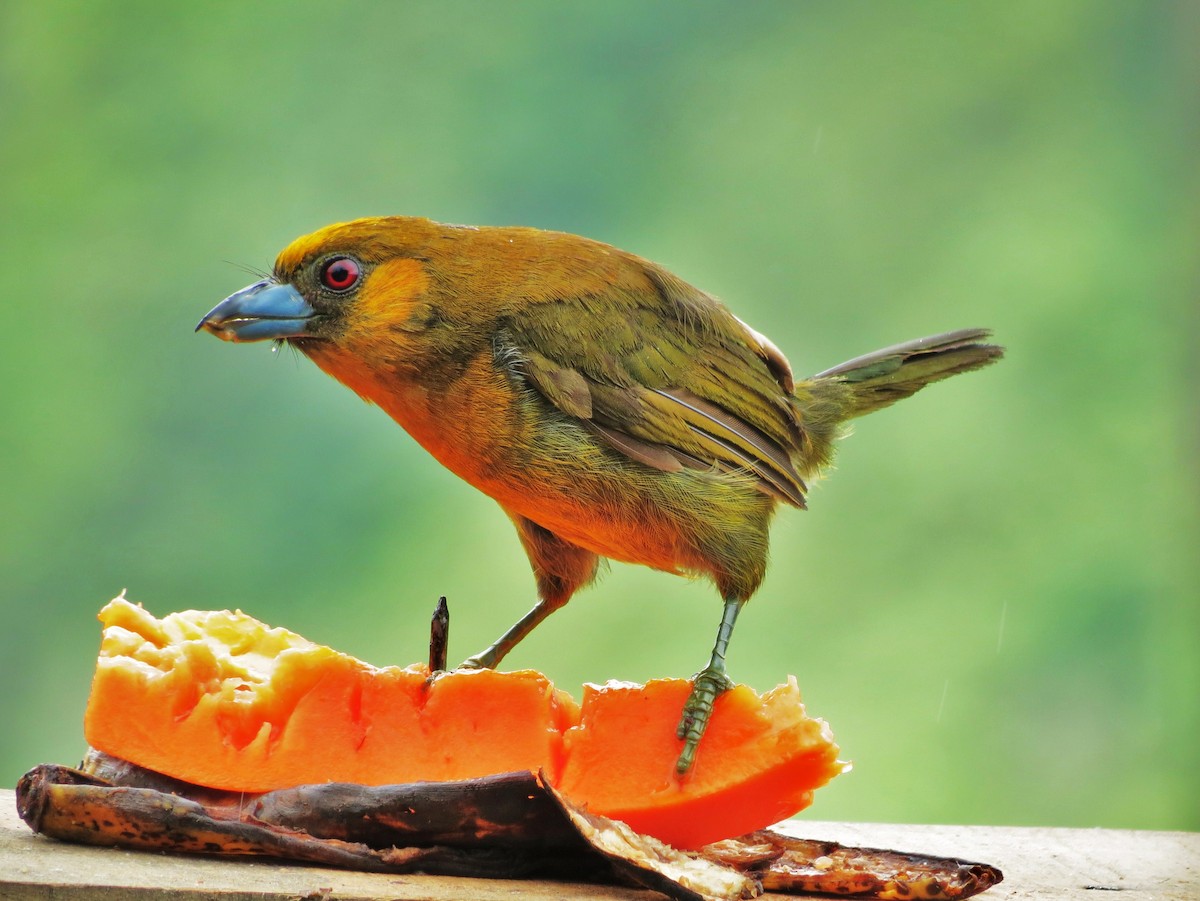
point(260, 312)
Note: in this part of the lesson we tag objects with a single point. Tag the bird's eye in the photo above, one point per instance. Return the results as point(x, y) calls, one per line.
point(340, 274)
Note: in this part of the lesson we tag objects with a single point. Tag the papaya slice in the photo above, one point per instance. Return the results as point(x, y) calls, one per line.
point(219, 699)
point(759, 762)
point(222, 700)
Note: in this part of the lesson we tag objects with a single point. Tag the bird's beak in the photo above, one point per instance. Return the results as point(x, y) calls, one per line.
point(260, 312)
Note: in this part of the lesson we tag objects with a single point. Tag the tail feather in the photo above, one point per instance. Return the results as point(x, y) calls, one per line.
point(879, 379)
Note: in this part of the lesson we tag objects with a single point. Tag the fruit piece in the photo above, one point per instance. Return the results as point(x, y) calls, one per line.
point(759, 762)
point(222, 700)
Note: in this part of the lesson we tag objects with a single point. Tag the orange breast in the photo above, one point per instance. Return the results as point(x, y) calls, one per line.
point(479, 429)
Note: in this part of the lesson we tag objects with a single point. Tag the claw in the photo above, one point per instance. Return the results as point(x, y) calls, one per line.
point(707, 686)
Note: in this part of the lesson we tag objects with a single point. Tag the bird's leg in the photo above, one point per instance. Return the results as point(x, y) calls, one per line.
point(706, 686)
point(559, 567)
point(496, 651)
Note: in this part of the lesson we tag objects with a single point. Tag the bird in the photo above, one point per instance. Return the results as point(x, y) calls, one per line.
point(613, 410)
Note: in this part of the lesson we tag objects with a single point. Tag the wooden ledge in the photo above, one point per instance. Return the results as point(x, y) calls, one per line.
point(1038, 864)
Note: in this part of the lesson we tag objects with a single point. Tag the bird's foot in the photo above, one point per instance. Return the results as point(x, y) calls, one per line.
point(478, 661)
point(707, 685)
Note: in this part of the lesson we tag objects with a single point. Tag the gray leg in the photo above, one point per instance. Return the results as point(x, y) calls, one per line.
point(706, 686)
point(559, 567)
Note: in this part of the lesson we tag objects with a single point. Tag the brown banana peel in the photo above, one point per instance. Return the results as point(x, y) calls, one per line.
point(506, 826)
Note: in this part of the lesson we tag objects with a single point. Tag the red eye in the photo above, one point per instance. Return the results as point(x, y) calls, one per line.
point(341, 274)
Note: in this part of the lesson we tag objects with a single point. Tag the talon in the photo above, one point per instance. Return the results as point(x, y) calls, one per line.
point(707, 685)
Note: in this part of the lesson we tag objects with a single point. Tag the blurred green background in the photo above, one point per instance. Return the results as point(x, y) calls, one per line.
point(994, 599)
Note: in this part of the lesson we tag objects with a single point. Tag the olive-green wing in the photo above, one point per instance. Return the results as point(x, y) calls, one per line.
point(665, 375)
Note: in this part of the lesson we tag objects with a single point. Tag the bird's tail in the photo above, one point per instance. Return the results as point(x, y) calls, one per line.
point(872, 382)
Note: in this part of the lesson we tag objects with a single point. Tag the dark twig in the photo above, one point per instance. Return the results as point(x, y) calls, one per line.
point(439, 636)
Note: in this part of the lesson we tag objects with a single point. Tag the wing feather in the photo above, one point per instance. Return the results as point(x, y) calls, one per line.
point(665, 375)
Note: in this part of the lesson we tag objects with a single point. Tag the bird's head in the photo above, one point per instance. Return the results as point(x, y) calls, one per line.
point(333, 286)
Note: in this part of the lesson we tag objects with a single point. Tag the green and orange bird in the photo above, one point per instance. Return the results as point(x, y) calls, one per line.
point(610, 408)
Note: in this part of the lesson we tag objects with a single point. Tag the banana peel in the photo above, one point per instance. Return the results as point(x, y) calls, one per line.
point(510, 825)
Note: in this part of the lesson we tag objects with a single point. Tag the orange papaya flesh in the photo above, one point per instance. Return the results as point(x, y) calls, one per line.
point(758, 763)
point(219, 699)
